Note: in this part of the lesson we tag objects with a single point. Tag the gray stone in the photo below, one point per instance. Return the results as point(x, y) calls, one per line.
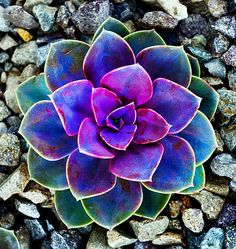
point(232, 185)
point(4, 23)
point(227, 216)
point(41, 55)
point(118, 239)
point(90, 15)
point(26, 208)
point(4, 111)
point(98, 239)
point(158, 19)
point(36, 196)
point(217, 68)
point(14, 123)
point(202, 54)
point(213, 81)
point(3, 128)
point(20, 18)
point(72, 238)
point(58, 242)
point(7, 42)
point(23, 237)
point(227, 104)
point(230, 56)
point(45, 14)
point(25, 54)
point(220, 44)
point(29, 4)
point(217, 185)
point(36, 230)
point(27, 72)
point(4, 57)
point(63, 16)
point(214, 239)
point(226, 25)
point(15, 183)
point(232, 79)
point(228, 135)
point(211, 204)
point(147, 230)
point(168, 239)
point(230, 237)
point(217, 8)
point(193, 219)
point(144, 245)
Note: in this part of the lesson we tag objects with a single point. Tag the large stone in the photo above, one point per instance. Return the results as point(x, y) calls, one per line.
point(214, 239)
point(118, 239)
point(227, 104)
point(226, 25)
point(193, 219)
point(230, 56)
point(217, 185)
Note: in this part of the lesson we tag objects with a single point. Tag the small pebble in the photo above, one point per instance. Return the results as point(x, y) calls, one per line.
point(226, 25)
point(4, 23)
point(4, 111)
point(214, 239)
point(3, 57)
point(36, 196)
point(58, 242)
point(193, 219)
point(174, 208)
point(26, 208)
point(72, 238)
point(63, 16)
point(227, 216)
point(24, 34)
point(3, 128)
point(230, 237)
point(230, 56)
point(228, 135)
point(227, 104)
point(144, 245)
point(217, 68)
point(7, 42)
point(175, 224)
point(217, 8)
point(27, 72)
point(168, 239)
point(220, 142)
point(220, 44)
point(35, 228)
point(29, 4)
point(232, 79)
point(118, 239)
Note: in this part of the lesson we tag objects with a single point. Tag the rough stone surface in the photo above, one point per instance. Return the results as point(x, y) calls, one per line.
point(3, 57)
point(217, 68)
point(29, 4)
point(7, 42)
point(220, 44)
point(58, 242)
point(227, 216)
point(26, 208)
point(202, 54)
point(217, 8)
point(168, 238)
point(228, 135)
point(98, 239)
point(213, 81)
point(193, 219)
point(4, 23)
point(147, 230)
point(227, 104)
point(36, 230)
point(4, 111)
point(226, 25)
point(23, 237)
point(117, 239)
point(220, 142)
point(217, 185)
point(72, 238)
point(214, 239)
point(230, 56)
point(230, 237)
point(232, 79)
point(36, 196)
point(3, 128)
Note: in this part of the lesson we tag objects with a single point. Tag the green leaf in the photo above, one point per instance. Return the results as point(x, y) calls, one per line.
point(196, 70)
point(8, 239)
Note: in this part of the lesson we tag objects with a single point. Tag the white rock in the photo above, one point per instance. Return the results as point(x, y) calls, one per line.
point(193, 219)
point(35, 195)
point(27, 209)
point(117, 239)
point(7, 42)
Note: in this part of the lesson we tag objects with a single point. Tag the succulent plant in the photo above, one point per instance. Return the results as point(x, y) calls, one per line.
point(117, 126)
point(8, 239)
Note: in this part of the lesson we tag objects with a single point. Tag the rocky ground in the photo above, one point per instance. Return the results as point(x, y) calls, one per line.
point(207, 29)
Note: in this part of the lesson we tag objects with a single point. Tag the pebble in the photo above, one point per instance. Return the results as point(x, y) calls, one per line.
point(217, 68)
point(147, 230)
point(230, 56)
point(4, 23)
point(29, 4)
point(202, 54)
point(24, 34)
point(3, 128)
point(227, 216)
point(213, 81)
point(3, 57)
point(220, 142)
point(46, 16)
point(214, 239)
point(27, 72)
point(63, 16)
point(217, 185)
point(58, 242)
point(14, 123)
point(117, 239)
point(98, 239)
point(226, 25)
point(15, 183)
point(232, 79)
point(35, 228)
point(168, 239)
point(228, 135)
point(227, 104)
point(23, 237)
point(193, 219)
point(41, 55)
point(25, 54)
point(194, 239)
point(72, 239)
point(174, 208)
point(230, 237)
point(217, 8)
point(158, 19)
point(7, 42)
point(37, 196)
point(211, 204)
point(90, 15)
point(220, 44)
point(20, 18)
point(26, 208)
point(4, 111)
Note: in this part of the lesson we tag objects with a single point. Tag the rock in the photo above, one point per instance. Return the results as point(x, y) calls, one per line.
point(58, 242)
point(23, 237)
point(211, 204)
point(202, 54)
point(224, 165)
point(4, 23)
point(199, 41)
point(175, 224)
point(213, 239)
point(63, 16)
point(3, 78)
point(213, 81)
point(130, 25)
point(193, 219)
point(168, 238)
point(143, 245)
point(228, 135)
point(24, 34)
point(7, 42)
point(4, 111)
point(220, 142)
point(217, 185)
point(15, 183)
point(193, 25)
point(230, 237)
point(41, 55)
point(147, 230)
point(193, 239)
point(36, 196)
point(72, 239)
point(45, 14)
point(3, 57)
point(3, 128)
point(98, 239)
point(220, 44)
point(227, 216)
point(117, 239)
point(230, 56)
point(226, 25)
point(25, 54)
point(217, 8)
point(27, 209)
point(158, 19)
point(7, 218)
point(29, 4)
point(27, 72)
point(14, 123)
point(174, 208)
point(232, 79)
point(20, 18)
point(124, 11)
point(217, 68)
point(5, 3)
point(227, 104)
point(36, 230)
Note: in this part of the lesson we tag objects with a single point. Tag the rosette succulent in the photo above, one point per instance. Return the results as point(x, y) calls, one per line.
point(116, 126)
point(8, 239)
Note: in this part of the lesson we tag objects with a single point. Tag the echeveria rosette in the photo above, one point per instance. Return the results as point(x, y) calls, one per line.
point(116, 126)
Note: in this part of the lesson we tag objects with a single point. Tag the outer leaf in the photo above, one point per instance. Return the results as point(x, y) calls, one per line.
point(70, 211)
point(196, 70)
point(198, 181)
point(201, 136)
point(64, 63)
point(143, 39)
point(153, 203)
point(114, 25)
point(210, 98)
point(50, 174)
point(116, 206)
point(8, 239)
point(32, 91)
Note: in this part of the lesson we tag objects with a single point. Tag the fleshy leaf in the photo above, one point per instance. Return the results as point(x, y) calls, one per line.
point(70, 211)
point(116, 206)
point(88, 176)
point(42, 129)
point(153, 203)
point(130, 83)
point(114, 25)
point(196, 70)
point(8, 239)
point(50, 174)
point(73, 104)
point(120, 139)
point(138, 163)
point(151, 126)
point(103, 103)
point(143, 39)
point(64, 63)
point(198, 181)
point(90, 142)
point(166, 62)
point(176, 104)
point(210, 98)
point(201, 136)
point(176, 169)
point(109, 51)
point(32, 91)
